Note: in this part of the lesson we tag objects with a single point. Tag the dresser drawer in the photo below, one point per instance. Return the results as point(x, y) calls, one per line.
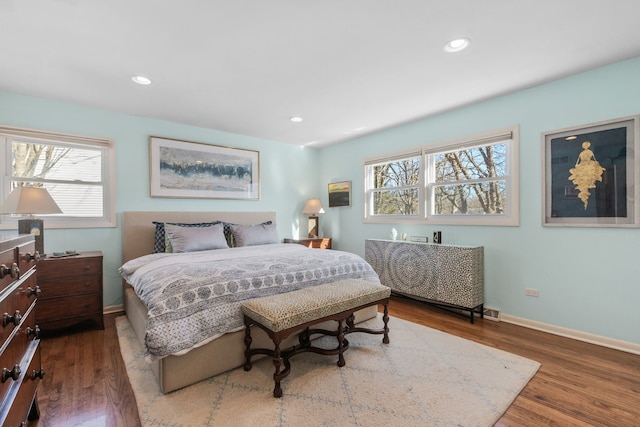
point(9, 267)
point(13, 354)
point(31, 377)
point(27, 257)
point(85, 284)
point(71, 266)
point(322, 244)
point(16, 298)
point(71, 291)
point(63, 308)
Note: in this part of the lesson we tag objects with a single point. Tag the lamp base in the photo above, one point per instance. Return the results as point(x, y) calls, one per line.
point(313, 227)
point(33, 226)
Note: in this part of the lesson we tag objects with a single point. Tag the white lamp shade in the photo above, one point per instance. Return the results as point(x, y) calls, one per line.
point(313, 206)
point(30, 201)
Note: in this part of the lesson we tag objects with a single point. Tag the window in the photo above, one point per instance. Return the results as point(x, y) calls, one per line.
point(77, 172)
point(472, 182)
point(394, 186)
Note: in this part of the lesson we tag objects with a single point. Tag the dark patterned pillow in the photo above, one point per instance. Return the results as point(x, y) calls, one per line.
point(159, 244)
point(229, 235)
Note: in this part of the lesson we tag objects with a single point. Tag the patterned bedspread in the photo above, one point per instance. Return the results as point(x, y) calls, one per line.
point(193, 298)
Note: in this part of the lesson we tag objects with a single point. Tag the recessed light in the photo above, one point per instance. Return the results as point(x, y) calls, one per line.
point(296, 119)
point(141, 80)
point(457, 45)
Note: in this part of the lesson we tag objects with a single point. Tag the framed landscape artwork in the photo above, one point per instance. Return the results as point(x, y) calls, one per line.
point(197, 170)
point(340, 194)
point(590, 175)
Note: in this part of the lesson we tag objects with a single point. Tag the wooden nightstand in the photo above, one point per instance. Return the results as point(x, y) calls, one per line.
point(71, 291)
point(317, 242)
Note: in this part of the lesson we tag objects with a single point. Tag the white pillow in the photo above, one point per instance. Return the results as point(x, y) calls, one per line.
point(191, 239)
point(252, 235)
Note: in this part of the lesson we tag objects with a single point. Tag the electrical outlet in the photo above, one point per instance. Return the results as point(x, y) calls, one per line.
point(530, 292)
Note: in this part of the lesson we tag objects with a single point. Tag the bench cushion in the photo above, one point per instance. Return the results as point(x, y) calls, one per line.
point(284, 311)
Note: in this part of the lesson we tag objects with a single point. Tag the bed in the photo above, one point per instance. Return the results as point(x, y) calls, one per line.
point(177, 365)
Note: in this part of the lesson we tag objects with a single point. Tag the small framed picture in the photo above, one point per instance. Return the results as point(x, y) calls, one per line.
point(340, 194)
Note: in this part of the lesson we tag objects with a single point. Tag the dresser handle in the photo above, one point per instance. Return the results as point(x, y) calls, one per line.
point(32, 257)
point(37, 374)
point(14, 374)
point(14, 271)
point(35, 291)
point(33, 331)
point(15, 319)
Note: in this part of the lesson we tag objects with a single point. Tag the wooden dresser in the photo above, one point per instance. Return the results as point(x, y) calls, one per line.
point(20, 350)
point(71, 291)
point(312, 242)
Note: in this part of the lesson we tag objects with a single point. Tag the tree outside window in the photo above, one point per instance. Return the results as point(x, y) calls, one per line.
point(75, 170)
point(470, 182)
point(395, 187)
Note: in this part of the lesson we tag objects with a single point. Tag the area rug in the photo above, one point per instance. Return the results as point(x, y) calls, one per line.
point(424, 377)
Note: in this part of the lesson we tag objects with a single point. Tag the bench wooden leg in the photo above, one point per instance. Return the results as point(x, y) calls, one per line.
point(351, 327)
point(247, 343)
point(385, 319)
point(341, 346)
point(277, 375)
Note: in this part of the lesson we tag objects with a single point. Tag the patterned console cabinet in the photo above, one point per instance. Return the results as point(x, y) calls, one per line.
point(445, 275)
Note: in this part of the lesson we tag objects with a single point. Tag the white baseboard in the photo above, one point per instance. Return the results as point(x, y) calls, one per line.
point(112, 309)
point(531, 324)
point(571, 333)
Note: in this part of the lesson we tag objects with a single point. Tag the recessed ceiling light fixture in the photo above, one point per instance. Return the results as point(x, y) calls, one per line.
point(456, 45)
point(295, 119)
point(141, 80)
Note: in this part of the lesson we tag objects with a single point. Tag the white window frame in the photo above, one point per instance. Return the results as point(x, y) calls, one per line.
point(511, 216)
point(108, 218)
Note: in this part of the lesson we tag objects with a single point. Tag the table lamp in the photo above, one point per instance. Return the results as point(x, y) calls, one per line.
point(313, 207)
point(30, 201)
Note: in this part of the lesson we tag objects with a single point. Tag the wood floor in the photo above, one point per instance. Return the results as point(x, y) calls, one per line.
point(579, 384)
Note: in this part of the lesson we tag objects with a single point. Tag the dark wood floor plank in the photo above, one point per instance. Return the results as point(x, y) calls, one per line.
point(86, 381)
point(578, 384)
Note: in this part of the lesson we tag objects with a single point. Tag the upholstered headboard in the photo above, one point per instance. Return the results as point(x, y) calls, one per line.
point(138, 230)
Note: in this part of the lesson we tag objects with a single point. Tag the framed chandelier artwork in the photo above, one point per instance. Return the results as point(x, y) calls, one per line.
point(590, 175)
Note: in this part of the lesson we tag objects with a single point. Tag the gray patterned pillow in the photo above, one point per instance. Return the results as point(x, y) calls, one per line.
point(229, 235)
point(251, 235)
point(191, 239)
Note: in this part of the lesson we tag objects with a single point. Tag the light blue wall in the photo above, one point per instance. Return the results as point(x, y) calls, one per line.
point(588, 278)
point(287, 173)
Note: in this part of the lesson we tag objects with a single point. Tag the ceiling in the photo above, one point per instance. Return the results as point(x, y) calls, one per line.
point(347, 67)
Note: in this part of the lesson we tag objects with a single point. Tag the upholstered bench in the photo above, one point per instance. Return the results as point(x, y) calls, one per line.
point(283, 314)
